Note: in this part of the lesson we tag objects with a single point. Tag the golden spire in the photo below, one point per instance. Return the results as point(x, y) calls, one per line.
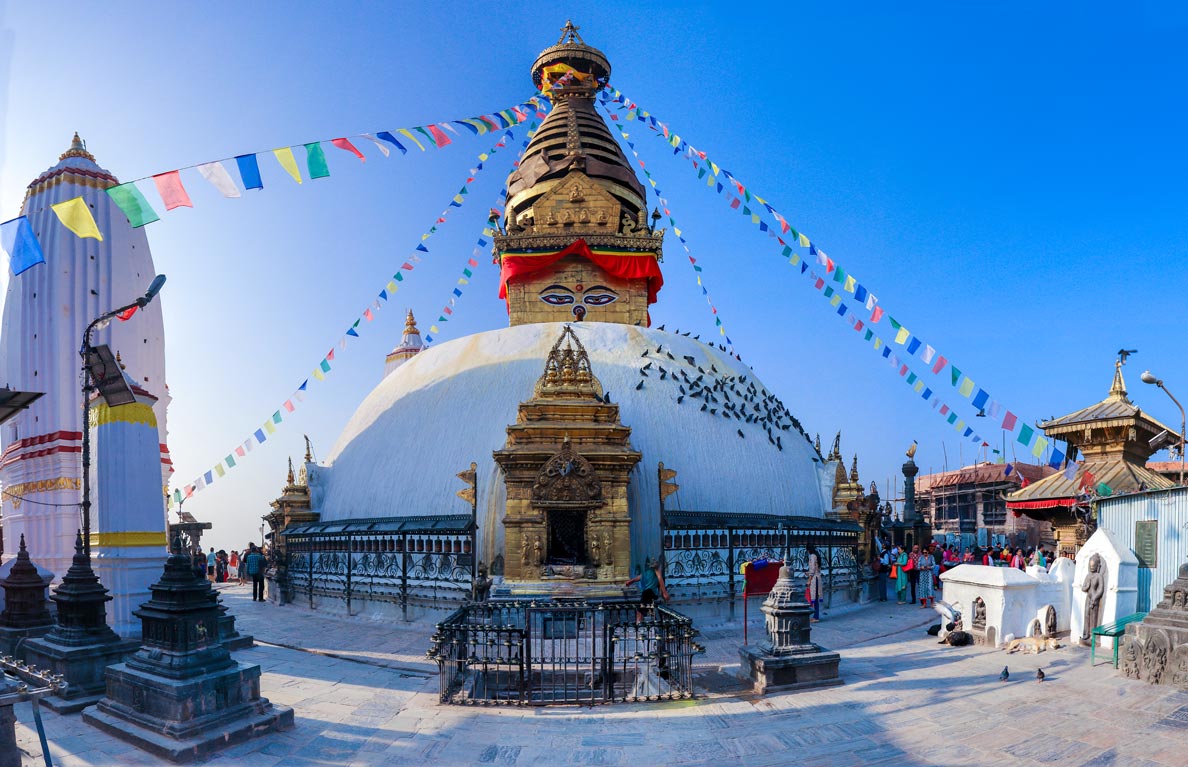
point(291, 478)
point(1118, 387)
point(120, 360)
point(854, 470)
point(308, 450)
point(78, 148)
point(410, 323)
point(567, 369)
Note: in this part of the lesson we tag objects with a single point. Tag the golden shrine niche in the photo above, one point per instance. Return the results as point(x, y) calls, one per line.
point(574, 204)
point(567, 465)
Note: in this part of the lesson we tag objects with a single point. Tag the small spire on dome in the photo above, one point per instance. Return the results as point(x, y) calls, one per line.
point(410, 323)
point(78, 148)
point(854, 470)
point(308, 449)
point(571, 32)
point(291, 478)
point(1118, 387)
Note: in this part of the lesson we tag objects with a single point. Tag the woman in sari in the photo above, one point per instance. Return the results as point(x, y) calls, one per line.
point(901, 577)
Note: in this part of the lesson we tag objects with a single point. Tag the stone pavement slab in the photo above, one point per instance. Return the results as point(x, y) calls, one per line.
point(365, 695)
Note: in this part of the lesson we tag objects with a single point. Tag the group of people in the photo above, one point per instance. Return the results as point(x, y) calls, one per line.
point(218, 566)
point(917, 572)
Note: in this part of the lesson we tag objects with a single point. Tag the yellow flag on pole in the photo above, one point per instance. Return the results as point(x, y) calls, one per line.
point(288, 162)
point(76, 216)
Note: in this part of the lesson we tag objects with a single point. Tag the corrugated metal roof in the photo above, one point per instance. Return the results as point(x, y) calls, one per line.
point(721, 519)
point(1121, 477)
point(452, 523)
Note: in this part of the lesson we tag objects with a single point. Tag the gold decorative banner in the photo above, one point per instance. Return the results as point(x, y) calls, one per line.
point(135, 412)
point(16, 492)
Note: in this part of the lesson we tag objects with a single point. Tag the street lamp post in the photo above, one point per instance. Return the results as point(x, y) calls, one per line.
point(1147, 378)
point(89, 387)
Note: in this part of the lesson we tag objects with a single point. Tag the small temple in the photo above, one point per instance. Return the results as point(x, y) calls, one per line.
point(1114, 438)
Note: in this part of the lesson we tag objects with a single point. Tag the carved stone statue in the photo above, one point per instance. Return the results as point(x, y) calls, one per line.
point(524, 547)
point(537, 552)
point(1132, 661)
point(550, 220)
point(575, 194)
point(1050, 622)
point(482, 584)
point(606, 548)
point(979, 616)
point(595, 550)
point(627, 225)
point(1094, 588)
point(602, 218)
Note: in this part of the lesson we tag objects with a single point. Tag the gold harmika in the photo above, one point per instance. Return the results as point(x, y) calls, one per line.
point(136, 412)
point(16, 492)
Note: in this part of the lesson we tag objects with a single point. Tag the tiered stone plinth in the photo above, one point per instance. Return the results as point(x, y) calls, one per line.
point(1156, 649)
point(26, 603)
point(182, 696)
point(788, 660)
point(229, 635)
point(82, 645)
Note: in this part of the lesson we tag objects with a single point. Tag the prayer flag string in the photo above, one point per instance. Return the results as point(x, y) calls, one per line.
point(741, 199)
point(324, 367)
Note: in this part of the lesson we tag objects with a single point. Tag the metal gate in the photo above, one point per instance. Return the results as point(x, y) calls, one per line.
point(556, 653)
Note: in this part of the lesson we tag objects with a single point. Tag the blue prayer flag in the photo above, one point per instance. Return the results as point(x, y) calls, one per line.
point(1057, 459)
point(457, 292)
point(842, 309)
point(260, 436)
point(467, 125)
point(422, 248)
point(886, 351)
point(249, 171)
point(209, 477)
point(979, 401)
point(351, 332)
point(913, 345)
point(386, 136)
point(19, 247)
point(927, 393)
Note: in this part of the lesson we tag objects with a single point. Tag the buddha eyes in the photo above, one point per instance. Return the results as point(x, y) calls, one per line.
point(559, 295)
point(599, 299)
point(557, 299)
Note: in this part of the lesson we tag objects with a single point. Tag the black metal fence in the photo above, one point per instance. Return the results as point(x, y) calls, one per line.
point(548, 653)
point(703, 552)
point(404, 561)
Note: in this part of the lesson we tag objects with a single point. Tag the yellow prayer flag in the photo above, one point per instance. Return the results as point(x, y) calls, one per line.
point(318, 374)
point(835, 300)
point(285, 157)
point(652, 181)
point(959, 425)
point(483, 157)
point(804, 241)
point(676, 231)
point(76, 216)
point(850, 284)
point(754, 218)
point(424, 236)
point(392, 286)
point(710, 181)
point(967, 387)
point(919, 384)
point(714, 167)
point(220, 470)
point(901, 336)
point(433, 329)
point(878, 342)
point(463, 281)
point(1040, 444)
point(795, 259)
point(412, 138)
point(269, 427)
point(699, 279)
point(721, 330)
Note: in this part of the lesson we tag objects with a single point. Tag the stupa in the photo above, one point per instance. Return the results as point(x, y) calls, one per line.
point(580, 382)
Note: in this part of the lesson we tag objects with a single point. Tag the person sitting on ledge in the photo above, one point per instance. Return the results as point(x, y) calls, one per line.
point(651, 585)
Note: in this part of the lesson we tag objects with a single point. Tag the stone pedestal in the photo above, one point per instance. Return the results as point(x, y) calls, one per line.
point(26, 603)
point(1156, 649)
point(82, 645)
point(788, 660)
point(182, 696)
point(230, 635)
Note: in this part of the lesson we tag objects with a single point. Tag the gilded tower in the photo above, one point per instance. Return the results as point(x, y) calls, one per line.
point(577, 243)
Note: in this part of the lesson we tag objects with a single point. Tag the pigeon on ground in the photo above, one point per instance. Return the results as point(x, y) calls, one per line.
point(647, 366)
point(1005, 675)
point(639, 386)
point(740, 433)
point(645, 353)
point(1039, 675)
point(680, 399)
point(704, 407)
point(660, 328)
point(670, 356)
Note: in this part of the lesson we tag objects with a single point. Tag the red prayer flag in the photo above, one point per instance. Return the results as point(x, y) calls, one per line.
point(239, 452)
point(367, 313)
point(471, 262)
point(406, 265)
point(439, 136)
point(903, 370)
point(876, 314)
point(1008, 423)
point(127, 314)
point(289, 405)
point(944, 409)
point(858, 325)
point(447, 310)
point(173, 194)
point(347, 146)
point(330, 354)
point(940, 365)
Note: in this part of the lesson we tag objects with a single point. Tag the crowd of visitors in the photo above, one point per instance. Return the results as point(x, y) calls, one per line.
point(238, 566)
point(916, 573)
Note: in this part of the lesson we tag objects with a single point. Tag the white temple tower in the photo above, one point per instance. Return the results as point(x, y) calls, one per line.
point(410, 345)
point(45, 312)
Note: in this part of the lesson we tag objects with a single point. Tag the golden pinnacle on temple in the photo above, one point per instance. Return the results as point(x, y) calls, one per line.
point(78, 148)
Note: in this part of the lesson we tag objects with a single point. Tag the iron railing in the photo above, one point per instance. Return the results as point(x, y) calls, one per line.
point(704, 550)
point(559, 652)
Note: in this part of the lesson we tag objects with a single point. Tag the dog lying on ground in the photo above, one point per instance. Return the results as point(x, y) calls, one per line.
point(1032, 645)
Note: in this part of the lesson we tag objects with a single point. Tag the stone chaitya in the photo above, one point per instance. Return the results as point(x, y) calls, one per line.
point(182, 695)
point(1156, 650)
point(26, 606)
point(567, 464)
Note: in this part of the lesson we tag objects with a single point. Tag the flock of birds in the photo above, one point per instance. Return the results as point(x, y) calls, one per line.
point(722, 396)
point(1006, 675)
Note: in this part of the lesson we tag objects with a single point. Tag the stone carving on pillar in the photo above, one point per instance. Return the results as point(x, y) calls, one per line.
point(1094, 588)
point(1156, 649)
point(979, 615)
point(1050, 622)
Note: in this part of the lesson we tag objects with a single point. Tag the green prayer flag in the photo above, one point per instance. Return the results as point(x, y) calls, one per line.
point(316, 159)
point(468, 273)
point(787, 250)
point(828, 292)
point(1104, 489)
point(1025, 433)
point(911, 378)
point(132, 202)
point(869, 334)
point(398, 277)
point(952, 417)
point(956, 375)
point(325, 366)
point(276, 417)
point(839, 274)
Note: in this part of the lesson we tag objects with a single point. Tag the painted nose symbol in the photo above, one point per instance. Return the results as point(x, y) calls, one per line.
point(579, 311)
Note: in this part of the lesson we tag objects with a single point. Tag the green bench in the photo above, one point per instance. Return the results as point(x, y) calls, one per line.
point(1113, 630)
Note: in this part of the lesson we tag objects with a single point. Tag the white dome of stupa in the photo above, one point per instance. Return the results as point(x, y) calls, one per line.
point(451, 404)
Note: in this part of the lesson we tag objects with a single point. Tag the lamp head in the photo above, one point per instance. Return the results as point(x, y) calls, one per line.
point(153, 289)
point(1147, 378)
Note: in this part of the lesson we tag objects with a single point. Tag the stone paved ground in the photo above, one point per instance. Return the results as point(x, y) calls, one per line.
point(364, 695)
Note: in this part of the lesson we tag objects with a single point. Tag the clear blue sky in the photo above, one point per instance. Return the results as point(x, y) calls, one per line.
point(1010, 181)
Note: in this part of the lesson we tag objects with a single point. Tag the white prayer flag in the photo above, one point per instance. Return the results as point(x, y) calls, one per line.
point(378, 145)
point(220, 179)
